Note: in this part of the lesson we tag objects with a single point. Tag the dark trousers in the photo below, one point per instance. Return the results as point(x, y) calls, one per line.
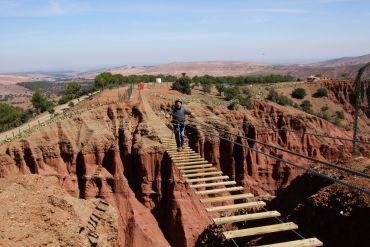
point(179, 132)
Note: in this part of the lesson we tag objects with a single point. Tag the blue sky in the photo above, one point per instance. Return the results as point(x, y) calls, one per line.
point(85, 34)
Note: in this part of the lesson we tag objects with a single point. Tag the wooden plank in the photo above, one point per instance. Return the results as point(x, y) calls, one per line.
point(186, 151)
point(227, 198)
point(309, 242)
point(216, 191)
point(191, 163)
point(212, 184)
point(184, 168)
point(245, 217)
point(260, 230)
point(206, 179)
point(202, 174)
point(188, 158)
point(236, 206)
point(199, 170)
point(179, 154)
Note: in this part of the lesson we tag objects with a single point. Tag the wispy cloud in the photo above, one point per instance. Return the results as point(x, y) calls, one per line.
point(55, 7)
point(272, 10)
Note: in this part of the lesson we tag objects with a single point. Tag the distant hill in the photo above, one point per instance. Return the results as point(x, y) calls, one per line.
point(215, 68)
point(344, 61)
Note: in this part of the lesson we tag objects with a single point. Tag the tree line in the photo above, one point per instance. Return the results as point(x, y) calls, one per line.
point(108, 80)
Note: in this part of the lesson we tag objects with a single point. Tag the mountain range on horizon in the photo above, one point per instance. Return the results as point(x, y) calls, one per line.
point(334, 68)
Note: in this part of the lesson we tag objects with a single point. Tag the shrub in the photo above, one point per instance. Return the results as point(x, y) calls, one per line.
point(244, 100)
point(324, 108)
point(321, 92)
point(279, 98)
point(299, 93)
point(306, 106)
point(71, 104)
point(220, 88)
point(231, 92)
point(207, 87)
point(182, 85)
point(339, 114)
point(41, 103)
point(233, 105)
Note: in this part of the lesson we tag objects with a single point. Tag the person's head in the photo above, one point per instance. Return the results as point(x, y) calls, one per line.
point(178, 103)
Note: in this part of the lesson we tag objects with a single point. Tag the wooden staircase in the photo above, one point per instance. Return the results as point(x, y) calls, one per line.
point(211, 185)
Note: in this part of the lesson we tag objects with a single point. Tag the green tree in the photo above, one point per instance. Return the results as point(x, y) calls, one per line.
point(299, 93)
point(182, 85)
point(72, 89)
point(321, 92)
point(103, 80)
point(41, 103)
point(231, 92)
point(306, 106)
point(279, 98)
point(220, 88)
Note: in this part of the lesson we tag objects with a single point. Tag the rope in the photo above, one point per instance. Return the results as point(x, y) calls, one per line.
point(309, 170)
point(295, 153)
point(311, 133)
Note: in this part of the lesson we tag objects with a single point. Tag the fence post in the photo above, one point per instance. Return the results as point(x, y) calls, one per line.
point(357, 104)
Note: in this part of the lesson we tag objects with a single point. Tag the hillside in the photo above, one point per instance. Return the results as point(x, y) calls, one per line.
point(112, 152)
point(215, 68)
point(344, 61)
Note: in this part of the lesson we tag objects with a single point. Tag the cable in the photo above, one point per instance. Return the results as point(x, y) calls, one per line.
point(298, 166)
point(295, 165)
point(294, 153)
point(360, 174)
point(311, 133)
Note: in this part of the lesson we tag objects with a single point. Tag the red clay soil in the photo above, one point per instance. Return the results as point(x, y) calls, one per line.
point(36, 211)
point(112, 152)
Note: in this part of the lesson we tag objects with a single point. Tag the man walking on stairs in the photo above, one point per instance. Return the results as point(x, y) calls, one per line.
point(178, 114)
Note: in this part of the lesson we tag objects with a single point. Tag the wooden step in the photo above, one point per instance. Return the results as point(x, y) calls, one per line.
point(175, 149)
point(212, 184)
point(187, 158)
point(191, 163)
point(199, 170)
point(202, 174)
point(246, 217)
point(183, 154)
point(226, 198)
point(236, 206)
point(179, 155)
point(187, 152)
point(216, 191)
point(206, 179)
point(309, 242)
point(184, 168)
point(260, 230)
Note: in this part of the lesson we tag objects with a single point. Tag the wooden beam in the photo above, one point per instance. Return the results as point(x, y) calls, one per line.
point(216, 191)
point(191, 163)
point(184, 151)
point(309, 242)
point(199, 170)
point(202, 174)
point(236, 206)
point(187, 158)
point(184, 168)
point(182, 155)
point(245, 217)
point(227, 198)
point(260, 230)
point(212, 184)
point(206, 179)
